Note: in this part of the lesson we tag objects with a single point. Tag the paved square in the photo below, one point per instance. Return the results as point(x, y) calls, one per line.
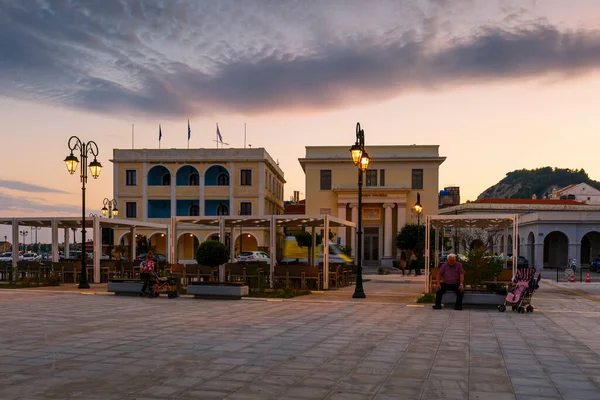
point(68, 345)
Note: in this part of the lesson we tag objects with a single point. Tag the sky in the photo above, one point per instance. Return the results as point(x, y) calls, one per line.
point(499, 85)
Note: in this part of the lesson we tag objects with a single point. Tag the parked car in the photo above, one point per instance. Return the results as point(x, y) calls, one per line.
point(102, 256)
point(157, 257)
point(522, 262)
point(253, 256)
point(8, 256)
point(31, 257)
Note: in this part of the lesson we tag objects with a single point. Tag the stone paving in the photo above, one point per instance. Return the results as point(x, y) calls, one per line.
point(68, 345)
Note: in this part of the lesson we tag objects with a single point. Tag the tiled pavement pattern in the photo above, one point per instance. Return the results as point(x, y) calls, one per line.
point(61, 346)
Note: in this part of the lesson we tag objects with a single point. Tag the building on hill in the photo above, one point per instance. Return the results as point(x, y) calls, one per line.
point(154, 185)
point(395, 176)
point(581, 192)
point(551, 231)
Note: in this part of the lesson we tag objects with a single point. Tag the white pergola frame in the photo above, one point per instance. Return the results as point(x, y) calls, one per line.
point(482, 221)
point(94, 223)
point(273, 222)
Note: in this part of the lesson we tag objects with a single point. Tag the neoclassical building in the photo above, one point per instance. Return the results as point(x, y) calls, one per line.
point(394, 177)
point(154, 185)
point(550, 231)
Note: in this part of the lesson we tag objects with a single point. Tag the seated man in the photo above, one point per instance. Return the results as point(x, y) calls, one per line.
point(450, 277)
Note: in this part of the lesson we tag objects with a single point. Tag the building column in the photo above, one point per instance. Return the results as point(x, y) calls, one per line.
point(354, 234)
point(575, 251)
point(67, 243)
point(54, 234)
point(401, 215)
point(133, 244)
point(144, 204)
point(201, 210)
point(173, 194)
point(387, 236)
point(539, 256)
point(342, 230)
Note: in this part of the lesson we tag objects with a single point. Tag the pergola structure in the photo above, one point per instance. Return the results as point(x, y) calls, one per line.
point(273, 222)
point(94, 223)
point(488, 222)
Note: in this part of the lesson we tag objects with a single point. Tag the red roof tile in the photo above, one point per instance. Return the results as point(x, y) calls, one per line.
point(530, 201)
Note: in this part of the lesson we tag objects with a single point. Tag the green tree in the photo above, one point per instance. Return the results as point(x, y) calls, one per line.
point(143, 245)
point(212, 253)
point(411, 237)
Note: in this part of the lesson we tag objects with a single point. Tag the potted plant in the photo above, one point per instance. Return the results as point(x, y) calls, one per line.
point(480, 267)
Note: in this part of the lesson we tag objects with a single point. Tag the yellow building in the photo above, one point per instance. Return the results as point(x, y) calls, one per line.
point(154, 185)
point(390, 186)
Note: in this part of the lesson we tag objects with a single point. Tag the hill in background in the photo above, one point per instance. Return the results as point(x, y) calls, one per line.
point(524, 183)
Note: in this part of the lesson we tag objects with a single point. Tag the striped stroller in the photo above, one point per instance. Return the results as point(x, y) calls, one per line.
point(524, 285)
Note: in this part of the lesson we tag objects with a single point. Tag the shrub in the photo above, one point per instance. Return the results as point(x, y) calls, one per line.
point(51, 280)
point(28, 282)
point(212, 253)
point(479, 267)
point(426, 298)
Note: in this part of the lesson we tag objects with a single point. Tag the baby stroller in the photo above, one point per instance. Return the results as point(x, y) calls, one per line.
point(525, 284)
point(160, 284)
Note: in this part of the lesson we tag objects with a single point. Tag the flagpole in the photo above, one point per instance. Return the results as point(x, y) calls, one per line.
point(244, 135)
point(217, 135)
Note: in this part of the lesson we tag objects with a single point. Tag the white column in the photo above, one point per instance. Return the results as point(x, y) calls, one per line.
point(54, 233)
point(326, 254)
point(342, 230)
point(401, 215)
point(222, 240)
point(261, 188)
point(67, 241)
point(144, 176)
point(15, 240)
point(201, 195)
point(354, 231)
point(272, 249)
point(232, 175)
point(97, 237)
point(173, 194)
point(133, 244)
point(387, 235)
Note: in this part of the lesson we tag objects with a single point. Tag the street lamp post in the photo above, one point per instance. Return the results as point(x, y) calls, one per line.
point(110, 208)
point(360, 158)
point(23, 236)
point(72, 161)
point(419, 209)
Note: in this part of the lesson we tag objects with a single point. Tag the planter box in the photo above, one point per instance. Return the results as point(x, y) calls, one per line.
point(475, 298)
point(217, 290)
point(125, 287)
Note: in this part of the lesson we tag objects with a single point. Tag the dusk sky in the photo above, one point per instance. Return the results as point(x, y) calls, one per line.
point(498, 85)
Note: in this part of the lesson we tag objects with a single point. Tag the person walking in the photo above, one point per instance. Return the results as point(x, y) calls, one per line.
point(403, 261)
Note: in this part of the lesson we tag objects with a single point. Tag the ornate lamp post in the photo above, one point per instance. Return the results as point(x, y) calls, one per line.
point(360, 158)
point(72, 161)
point(23, 236)
point(110, 208)
point(418, 209)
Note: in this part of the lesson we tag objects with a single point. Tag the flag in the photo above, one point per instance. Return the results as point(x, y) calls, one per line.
point(189, 130)
point(219, 134)
point(159, 133)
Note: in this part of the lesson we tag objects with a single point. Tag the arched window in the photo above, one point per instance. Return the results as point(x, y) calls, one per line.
point(194, 180)
point(166, 179)
point(222, 209)
point(194, 210)
point(223, 180)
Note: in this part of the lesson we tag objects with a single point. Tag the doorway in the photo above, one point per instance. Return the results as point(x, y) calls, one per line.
point(371, 253)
